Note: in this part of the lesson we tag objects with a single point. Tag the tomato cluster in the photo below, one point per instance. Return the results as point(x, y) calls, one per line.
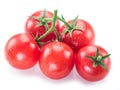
point(58, 48)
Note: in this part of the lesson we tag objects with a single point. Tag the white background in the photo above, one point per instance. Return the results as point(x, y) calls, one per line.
point(103, 15)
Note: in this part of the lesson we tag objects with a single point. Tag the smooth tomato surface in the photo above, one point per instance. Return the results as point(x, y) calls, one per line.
point(56, 60)
point(31, 24)
point(79, 38)
point(85, 67)
point(21, 51)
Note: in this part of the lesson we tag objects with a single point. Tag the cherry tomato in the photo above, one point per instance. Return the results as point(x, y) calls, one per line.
point(56, 60)
point(93, 63)
point(39, 22)
point(21, 51)
point(79, 37)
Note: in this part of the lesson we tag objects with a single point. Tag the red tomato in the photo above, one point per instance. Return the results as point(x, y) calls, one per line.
point(79, 38)
point(32, 25)
point(56, 60)
point(21, 51)
point(93, 63)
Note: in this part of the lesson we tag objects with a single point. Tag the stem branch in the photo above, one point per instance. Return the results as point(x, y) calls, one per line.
point(52, 27)
point(62, 20)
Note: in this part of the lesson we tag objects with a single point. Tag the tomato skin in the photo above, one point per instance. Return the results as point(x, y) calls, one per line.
point(21, 51)
point(79, 38)
point(56, 60)
point(84, 65)
point(31, 23)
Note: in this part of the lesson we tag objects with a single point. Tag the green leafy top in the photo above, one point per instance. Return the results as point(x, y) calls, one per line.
point(52, 28)
point(42, 20)
point(70, 27)
point(98, 60)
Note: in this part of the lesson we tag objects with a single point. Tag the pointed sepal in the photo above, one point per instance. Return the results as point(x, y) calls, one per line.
point(98, 59)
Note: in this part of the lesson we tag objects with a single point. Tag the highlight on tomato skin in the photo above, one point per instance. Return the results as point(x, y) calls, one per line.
point(93, 63)
point(21, 51)
point(56, 60)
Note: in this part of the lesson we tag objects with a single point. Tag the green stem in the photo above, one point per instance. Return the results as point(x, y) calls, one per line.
point(99, 58)
point(57, 35)
point(62, 20)
point(52, 27)
point(49, 19)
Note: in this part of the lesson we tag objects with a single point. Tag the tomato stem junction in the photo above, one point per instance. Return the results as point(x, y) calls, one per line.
point(52, 27)
point(70, 27)
point(98, 59)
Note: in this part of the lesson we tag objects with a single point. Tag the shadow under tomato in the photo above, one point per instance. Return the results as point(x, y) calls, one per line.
point(35, 72)
point(68, 78)
point(84, 82)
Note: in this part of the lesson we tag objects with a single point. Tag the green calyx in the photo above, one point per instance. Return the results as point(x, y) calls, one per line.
point(98, 60)
point(52, 27)
point(70, 27)
point(43, 20)
point(48, 31)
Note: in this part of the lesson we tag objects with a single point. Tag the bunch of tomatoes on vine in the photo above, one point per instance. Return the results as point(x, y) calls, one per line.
point(57, 49)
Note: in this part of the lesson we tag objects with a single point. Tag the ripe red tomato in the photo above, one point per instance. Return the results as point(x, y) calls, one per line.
point(37, 24)
point(56, 60)
point(93, 63)
point(21, 51)
point(79, 38)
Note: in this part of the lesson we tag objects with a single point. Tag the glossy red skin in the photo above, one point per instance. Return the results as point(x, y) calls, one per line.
point(21, 51)
point(56, 60)
point(79, 38)
point(85, 67)
point(31, 23)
